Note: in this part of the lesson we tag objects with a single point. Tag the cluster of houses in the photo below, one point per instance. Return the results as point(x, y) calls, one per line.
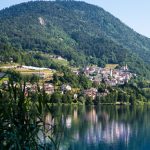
point(93, 92)
point(47, 87)
point(111, 77)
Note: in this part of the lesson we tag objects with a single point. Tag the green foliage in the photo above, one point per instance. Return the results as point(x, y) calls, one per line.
point(56, 97)
point(22, 117)
point(70, 78)
point(89, 101)
point(82, 99)
point(85, 82)
point(97, 100)
point(67, 98)
point(79, 32)
point(125, 94)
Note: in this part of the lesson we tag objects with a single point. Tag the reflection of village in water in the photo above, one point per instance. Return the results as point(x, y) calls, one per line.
point(110, 133)
point(90, 127)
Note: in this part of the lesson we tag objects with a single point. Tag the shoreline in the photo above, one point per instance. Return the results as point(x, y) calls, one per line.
point(112, 104)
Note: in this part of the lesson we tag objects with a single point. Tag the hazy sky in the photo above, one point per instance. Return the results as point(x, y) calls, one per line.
point(135, 13)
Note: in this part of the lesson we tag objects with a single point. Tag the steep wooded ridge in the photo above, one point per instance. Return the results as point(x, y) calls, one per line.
point(78, 31)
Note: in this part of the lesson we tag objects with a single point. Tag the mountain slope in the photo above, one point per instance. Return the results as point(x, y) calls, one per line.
point(78, 31)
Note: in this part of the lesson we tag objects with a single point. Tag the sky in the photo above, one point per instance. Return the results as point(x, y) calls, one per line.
point(134, 13)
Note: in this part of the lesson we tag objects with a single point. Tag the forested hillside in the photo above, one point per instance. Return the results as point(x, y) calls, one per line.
point(80, 32)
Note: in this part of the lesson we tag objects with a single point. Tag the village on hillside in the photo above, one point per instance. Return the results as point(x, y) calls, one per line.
point(109, 76)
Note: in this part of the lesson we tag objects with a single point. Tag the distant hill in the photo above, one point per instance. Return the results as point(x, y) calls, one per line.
point(78, 31)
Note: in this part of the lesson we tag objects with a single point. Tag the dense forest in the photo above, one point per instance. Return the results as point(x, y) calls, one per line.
point(80, 32)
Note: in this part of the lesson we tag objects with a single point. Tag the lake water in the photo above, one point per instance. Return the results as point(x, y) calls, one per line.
point(101, 128)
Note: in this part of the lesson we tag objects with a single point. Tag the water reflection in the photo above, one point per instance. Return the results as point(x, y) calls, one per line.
point(105, 127)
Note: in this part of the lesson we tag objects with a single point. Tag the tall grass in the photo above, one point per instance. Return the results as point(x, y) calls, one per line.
point(22, 117)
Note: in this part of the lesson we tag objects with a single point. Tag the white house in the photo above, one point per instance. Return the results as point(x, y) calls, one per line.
point(66, 87)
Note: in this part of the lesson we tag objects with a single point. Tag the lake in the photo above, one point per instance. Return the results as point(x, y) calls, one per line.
point(100, 128)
